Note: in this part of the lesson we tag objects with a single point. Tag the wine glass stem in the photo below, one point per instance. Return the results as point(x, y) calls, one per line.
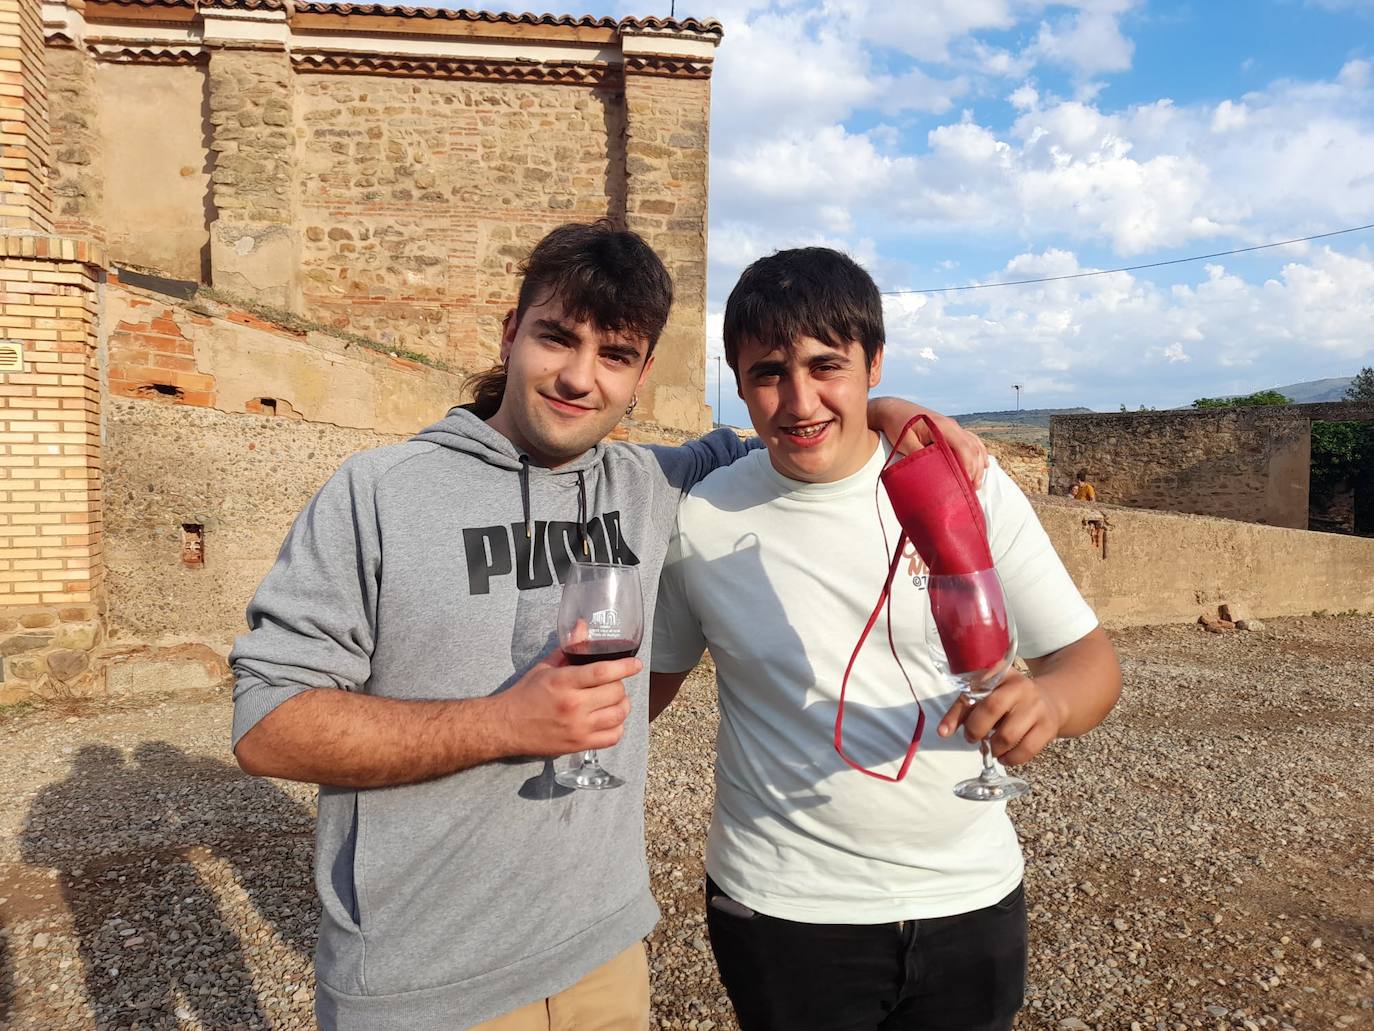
point(985, 747)
point(589, 757)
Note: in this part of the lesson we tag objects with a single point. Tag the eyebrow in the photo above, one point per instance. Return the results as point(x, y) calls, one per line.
point(556, 328)
point(769, 363)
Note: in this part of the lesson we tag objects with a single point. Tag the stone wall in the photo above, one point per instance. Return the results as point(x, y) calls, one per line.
point(241, 478)
point(254, 239)
point(665, 161)
point(1026, 464)
point(1137, 568)
point(77, 173)
point(1237, 463)
point(418, 200)
point(383, 172)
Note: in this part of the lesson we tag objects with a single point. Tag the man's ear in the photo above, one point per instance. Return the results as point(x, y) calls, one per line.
point(875, 369)
point(509, 325)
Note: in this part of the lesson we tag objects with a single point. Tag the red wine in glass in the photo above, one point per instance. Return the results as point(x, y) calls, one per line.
point(600, 618)
point(973, 652)
point(582, 652)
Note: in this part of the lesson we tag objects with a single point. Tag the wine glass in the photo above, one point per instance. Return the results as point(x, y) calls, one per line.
point(974, 649)
point(600, 618)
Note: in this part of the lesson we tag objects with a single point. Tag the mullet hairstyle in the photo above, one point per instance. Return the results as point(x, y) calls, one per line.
point(603, 275)
point(806, 292)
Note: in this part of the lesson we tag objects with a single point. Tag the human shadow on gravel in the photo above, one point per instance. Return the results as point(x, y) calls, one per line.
point(6, 984)
point(155, 858)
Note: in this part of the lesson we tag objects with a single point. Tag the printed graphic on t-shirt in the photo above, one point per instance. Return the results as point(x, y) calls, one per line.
point(535, 560)
point(916, 567)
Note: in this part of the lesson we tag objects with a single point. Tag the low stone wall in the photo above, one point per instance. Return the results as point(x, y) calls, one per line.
point(1139, 567)
point(1026, 464)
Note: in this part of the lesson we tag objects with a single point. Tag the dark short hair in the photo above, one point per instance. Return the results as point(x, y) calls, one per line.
point(1082, 474)
point(805, 292)
point(602, 274)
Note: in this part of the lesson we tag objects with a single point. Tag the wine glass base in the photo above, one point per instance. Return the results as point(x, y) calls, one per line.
point(998, 789)
point(588, 777)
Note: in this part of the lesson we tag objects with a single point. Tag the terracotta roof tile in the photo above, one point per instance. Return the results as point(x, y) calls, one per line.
point(652, 23)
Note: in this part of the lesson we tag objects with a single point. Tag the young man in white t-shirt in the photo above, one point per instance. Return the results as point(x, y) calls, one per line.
point(834, 900)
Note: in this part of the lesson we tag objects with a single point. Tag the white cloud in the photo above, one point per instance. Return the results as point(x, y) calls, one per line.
point(1096, 340)
point(1089, 43)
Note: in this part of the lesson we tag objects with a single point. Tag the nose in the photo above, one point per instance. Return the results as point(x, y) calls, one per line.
point(798, 397)
point(577, 377)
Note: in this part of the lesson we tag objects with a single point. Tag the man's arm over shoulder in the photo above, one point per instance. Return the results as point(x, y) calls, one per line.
point(688, 464)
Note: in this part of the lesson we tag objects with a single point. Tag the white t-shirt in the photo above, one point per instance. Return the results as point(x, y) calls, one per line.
point(779, 577)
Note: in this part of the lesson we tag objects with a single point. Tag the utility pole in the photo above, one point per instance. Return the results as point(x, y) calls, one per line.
point(719, 420)
point(1017, 387)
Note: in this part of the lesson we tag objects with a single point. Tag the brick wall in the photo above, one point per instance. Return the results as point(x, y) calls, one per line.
point(50, 518)
point(25, 201)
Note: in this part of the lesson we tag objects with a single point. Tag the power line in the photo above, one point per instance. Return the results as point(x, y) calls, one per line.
point(1126, 268)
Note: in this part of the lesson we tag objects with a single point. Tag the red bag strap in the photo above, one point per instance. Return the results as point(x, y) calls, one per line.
point(885, 600)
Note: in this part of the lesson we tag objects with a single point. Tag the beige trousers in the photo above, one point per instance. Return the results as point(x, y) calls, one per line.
point(613, 997)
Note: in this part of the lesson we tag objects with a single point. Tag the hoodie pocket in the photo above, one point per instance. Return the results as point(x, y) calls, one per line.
point(343, 902)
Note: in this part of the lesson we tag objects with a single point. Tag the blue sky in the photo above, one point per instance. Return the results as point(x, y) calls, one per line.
point(953, 142)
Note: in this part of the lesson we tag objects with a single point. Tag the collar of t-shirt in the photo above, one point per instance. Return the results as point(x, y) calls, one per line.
point(800, 490)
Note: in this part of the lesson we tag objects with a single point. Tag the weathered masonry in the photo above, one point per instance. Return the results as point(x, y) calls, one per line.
point(1251, 464)
point(382, 169)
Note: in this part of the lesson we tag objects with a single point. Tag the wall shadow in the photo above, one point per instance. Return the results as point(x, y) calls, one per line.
point(155, 857)
point(210, 211)
point(615, 119)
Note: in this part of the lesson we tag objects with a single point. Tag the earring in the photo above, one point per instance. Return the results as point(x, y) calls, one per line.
point(633, 402)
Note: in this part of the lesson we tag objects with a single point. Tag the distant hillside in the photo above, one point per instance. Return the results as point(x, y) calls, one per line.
point(1028, 426)
point(1310, 392)
point(1025, 417)
point(1317, 390)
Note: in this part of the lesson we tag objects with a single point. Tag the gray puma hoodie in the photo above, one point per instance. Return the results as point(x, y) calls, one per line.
point(431, 569)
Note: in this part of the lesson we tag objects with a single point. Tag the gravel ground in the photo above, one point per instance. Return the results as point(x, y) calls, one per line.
point(1203, 860)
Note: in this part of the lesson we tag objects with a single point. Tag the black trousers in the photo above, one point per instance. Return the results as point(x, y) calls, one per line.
point(954, 973)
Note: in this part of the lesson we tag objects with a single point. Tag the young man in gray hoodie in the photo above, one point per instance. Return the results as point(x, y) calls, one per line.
point(402, 654)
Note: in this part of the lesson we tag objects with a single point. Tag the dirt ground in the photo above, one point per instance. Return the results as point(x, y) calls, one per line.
point(1205, 859)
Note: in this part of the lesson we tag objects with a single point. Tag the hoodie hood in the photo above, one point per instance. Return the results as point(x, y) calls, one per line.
point(461, 430)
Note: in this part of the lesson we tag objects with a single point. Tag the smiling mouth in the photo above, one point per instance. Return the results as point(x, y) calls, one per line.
point(806, 432)
point(560, 405)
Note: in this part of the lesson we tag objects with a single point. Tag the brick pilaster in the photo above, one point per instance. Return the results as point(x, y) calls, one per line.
point(25, 197)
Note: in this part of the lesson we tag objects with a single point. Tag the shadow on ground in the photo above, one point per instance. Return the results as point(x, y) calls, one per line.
point(178, 871)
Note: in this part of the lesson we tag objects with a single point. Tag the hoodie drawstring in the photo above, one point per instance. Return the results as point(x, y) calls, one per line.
point(582, 514)
point(581, 505)
point(525, 495)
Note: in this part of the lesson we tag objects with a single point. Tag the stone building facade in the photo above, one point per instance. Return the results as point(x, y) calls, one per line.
point(383, 169)
point(379, 170)
point(1251, 464)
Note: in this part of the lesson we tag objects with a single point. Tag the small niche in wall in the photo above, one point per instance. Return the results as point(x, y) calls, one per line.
point(192, 544)
point(161, 391)
point(272, 406)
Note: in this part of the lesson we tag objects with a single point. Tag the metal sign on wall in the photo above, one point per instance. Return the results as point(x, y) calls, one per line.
point(11, 356)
